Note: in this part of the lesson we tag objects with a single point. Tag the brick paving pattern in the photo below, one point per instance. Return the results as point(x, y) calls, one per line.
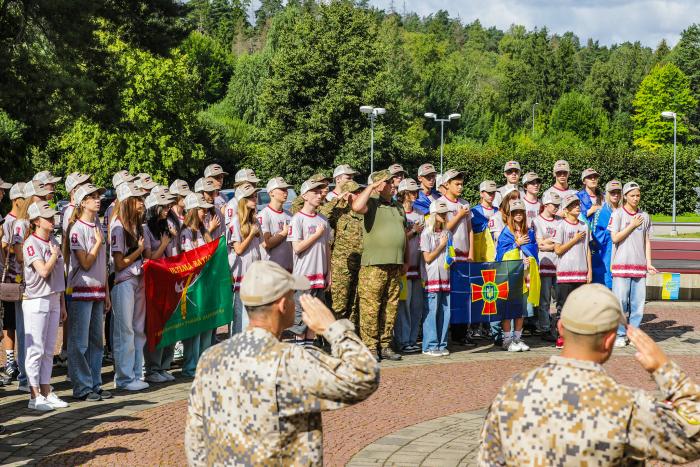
point(427, 411)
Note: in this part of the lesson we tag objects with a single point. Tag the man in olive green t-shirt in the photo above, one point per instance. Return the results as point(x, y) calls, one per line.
point(384, 241)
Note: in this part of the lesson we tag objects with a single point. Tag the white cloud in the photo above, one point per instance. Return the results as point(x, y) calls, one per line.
point(608, 21)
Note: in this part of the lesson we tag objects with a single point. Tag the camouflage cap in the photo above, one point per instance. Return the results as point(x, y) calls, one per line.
point(380, 176)
point(320, 177)
point(350, 186)
point(591, 309)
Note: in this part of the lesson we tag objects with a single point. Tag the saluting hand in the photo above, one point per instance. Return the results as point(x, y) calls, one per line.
point(315, 314)
point(649, 354)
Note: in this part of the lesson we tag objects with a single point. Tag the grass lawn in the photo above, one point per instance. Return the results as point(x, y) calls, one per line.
point(683, 235)
point(687, 217)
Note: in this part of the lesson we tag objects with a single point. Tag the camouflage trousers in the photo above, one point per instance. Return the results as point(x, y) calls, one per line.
point(345, 269)
point(379, 291)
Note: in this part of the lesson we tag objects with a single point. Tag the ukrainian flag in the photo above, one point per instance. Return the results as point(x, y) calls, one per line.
point(450, 254)
point(508, 250)
point(484, 247)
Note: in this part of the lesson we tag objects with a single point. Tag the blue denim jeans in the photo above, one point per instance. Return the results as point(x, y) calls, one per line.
point(408, 318)
point(19, 336)
point(436, 320)
point(85, 346)
point(192, 349)
point(632, 293)
point(128, 330)
point(240, 316)
point(543, 318)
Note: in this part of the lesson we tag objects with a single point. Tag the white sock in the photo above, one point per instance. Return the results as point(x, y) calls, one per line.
point(518, 334)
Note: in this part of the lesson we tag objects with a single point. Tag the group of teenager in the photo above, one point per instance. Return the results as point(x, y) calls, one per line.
point(95, 287)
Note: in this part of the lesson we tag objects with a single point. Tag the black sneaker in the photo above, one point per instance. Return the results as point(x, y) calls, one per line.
point(90, 397)
point(389, 354)
point(468, 342)
point(104, 394)
point(5, 380)
point(12, 370)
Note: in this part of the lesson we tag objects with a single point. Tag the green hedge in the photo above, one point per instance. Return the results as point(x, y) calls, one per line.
point(652, 170)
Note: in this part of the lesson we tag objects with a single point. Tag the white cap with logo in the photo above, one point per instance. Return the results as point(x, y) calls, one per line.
point(196, 200)
point(74, 179)
point(122, 177)
point(408, 184)
point(277, 183)
point(343, 169)
point(84, 190)
point(129, 190)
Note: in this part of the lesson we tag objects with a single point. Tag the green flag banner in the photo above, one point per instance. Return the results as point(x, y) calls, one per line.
point(187, 294)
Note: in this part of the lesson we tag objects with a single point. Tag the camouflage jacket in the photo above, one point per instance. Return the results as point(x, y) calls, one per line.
point(346, 224)
point(570, 412)
point(258, 401)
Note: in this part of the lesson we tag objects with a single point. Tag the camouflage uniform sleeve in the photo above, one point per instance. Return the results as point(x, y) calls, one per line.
point(312, 381)
point(330, 212)
point(195, 445)
point(490, 449)
point(667, 429)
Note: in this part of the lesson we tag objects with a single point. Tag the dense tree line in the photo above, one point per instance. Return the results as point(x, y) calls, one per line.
point(166, 86)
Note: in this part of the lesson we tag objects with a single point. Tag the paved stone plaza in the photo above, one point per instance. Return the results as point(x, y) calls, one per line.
point(428, 411)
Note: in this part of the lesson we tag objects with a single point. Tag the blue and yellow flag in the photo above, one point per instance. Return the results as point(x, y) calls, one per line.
point(450, 253)
point(486, 292)
point(484, 247)
point(507, 249)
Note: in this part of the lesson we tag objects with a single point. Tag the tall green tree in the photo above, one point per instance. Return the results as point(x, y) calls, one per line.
point(665, 88)
point(578, 114)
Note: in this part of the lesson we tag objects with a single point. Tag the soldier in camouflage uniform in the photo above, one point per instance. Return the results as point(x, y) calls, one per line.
point(298, 202)
point(382, 263)
point(570, 412)
point(258, 401)
point(347, 251)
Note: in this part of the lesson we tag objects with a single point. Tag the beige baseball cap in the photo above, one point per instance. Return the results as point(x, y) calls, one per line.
point(343, 169)
point(46, 177)
point(145, 182)
point(551, 197)
point(450, 174)
point(508, 189)
point(86, 189)
point(439, 207)
point(266, 281)
point(129, 190)
point(531, 177)
point(157, 199)
point(629, 186)
point(561, 166)
point(40, 209)
point(122, 177)
point(4, 185)
point(207, 184)
point(516, 204)
point(196, 200)
point(160, 189)
point(74, 179)
point(180, 188)
point(613, 185)
point(588, 172)
point(277, 183)
point(511, 165)
point(214, 170)
point(35, 188)
point(591, 309)
point(426, 169)
point(395, 169)
point(17, 190)
point(488, 186)
point(408, 184)
point(243, 176)
point(569, 200)
point(246, 190)
point(310, 185)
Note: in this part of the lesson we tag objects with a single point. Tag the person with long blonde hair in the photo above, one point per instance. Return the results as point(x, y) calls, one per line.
point(87, 281)
point(128, 293)
point(244, 237)
point(602, 242)
point(193, 234)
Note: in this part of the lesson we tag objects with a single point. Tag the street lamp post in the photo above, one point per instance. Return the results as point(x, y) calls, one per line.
point(672, 115)
point(372, 114)
point(533, 117)
point(442, 131)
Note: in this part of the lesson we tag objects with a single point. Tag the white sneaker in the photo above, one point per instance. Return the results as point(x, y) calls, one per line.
point(156, 378)
point(506, 344)
point(514, 346)
point(522, 345)
point(55, 402)
point(179, 351)
point(41, 404)
point(620, 341)
point(167, 375)
point(136, 385)
point(432, 353)
point(444, 352)
point(23, 388)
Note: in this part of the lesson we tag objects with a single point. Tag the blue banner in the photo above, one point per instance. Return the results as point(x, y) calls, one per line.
point(485, 292)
